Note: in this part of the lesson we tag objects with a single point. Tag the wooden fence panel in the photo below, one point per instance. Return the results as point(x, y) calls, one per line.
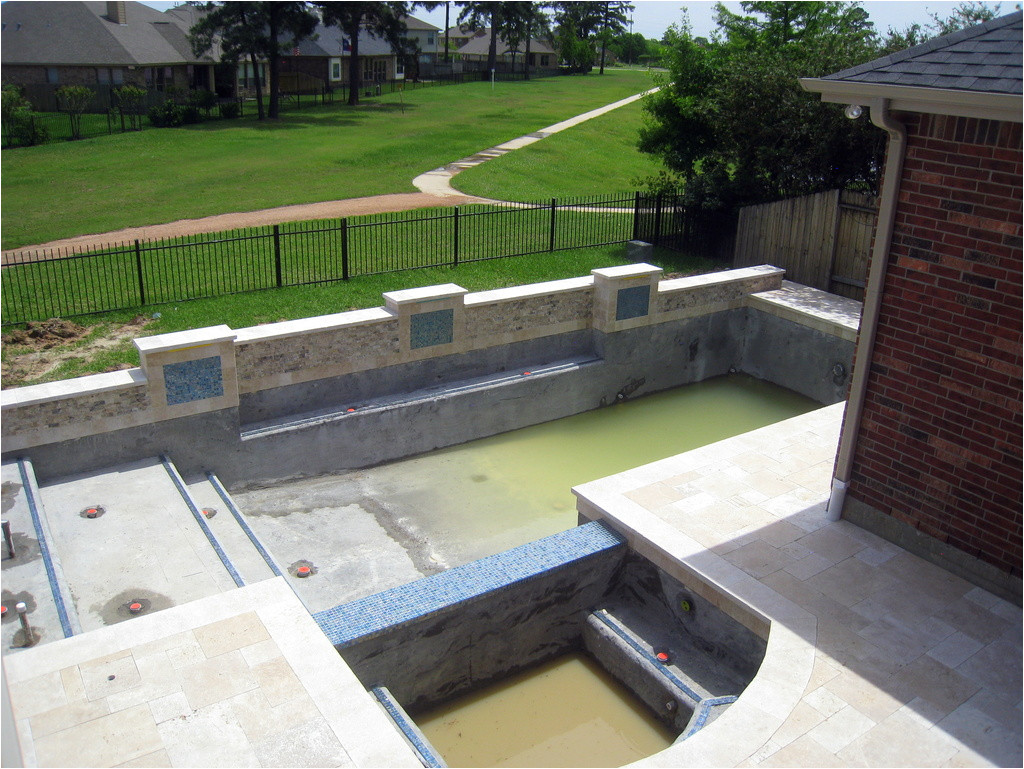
point(820, 240)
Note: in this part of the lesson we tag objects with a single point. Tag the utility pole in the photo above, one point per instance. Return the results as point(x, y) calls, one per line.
point(447, 26)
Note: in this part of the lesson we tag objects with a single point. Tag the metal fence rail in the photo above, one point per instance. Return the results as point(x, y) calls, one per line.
point(41, 284)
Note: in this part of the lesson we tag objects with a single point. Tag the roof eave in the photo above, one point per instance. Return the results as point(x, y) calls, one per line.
point(902, 98)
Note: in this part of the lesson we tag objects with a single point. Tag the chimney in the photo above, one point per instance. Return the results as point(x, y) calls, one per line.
point(116, 13)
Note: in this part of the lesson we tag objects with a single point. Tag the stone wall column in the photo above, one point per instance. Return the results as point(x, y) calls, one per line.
point(624, 297)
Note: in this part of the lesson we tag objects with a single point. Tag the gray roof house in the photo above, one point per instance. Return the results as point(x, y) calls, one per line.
point(476, 49)
point(930, 454)
point(99, 44)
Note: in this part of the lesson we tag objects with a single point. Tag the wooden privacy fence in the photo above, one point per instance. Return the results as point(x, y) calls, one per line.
point(820, 240)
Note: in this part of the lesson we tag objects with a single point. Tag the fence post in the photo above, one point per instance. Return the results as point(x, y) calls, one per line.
point(551, 238)
point(344, 248)
point(455, 261)
point(636, 215)
point(138, 269)
point(277, 253)
point(657, 219)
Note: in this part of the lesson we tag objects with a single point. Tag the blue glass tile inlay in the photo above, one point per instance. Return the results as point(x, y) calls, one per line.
point(429, 328)
point(357, 619)
point(632, 302)
point(193, 380)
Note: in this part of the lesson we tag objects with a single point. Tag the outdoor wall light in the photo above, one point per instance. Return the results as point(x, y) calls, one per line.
point(853, 111)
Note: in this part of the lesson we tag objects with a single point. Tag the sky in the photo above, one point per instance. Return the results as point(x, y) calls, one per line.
point(652, 17)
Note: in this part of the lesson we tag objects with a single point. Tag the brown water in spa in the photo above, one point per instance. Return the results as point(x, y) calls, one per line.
point(568, 712)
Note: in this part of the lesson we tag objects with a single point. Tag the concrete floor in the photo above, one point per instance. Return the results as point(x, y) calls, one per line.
point(875, 657)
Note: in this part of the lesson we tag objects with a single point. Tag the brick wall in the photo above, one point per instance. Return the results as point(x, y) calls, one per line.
point(940, 441)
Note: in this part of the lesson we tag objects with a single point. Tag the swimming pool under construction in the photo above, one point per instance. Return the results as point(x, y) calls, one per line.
point(383, 537)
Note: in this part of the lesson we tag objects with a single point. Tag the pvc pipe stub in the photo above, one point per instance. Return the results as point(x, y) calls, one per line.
point(662, 657)
point(303, 571)
point(135, 607)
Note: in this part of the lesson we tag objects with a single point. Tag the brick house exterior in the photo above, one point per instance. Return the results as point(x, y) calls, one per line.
point(931, 452)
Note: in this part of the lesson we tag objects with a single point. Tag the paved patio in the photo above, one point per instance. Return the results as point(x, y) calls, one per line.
point(875, 656)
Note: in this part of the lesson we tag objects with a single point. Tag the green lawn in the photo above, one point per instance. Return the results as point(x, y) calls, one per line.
point(598, 156)
point(249, 309)
point(313, 154)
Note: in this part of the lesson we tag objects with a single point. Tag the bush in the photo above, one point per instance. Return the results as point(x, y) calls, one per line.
point(190, 114)
point(204, 100)
point(129, 99)
point(166, 115)
point(73, 99)
point(19, 126)
point(230, 110)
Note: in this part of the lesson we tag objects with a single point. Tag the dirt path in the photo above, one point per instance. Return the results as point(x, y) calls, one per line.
point(331, 209)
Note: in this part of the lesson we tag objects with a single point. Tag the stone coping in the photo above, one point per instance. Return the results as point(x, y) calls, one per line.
point(422, 294)
point(73, 388)
point(529, 291)
point(719, 278)
point(628, 271)
point(312, 325)
point(176, 340)
point(812, 307)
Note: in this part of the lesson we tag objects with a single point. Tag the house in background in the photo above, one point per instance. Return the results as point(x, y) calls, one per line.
point(323, 61)
point(475, 49)
point(930, 455)
point(426, 39)
point(44, 45)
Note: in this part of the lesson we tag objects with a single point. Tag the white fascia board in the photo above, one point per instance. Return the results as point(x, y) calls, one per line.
point(940, 101)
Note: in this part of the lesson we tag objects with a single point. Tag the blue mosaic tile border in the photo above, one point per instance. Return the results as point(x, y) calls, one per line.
point(356, 620)
point(193, 380)
point(428, 755)
point(427, 329)
point(633, 302)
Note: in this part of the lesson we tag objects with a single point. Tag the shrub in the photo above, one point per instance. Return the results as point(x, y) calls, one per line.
point(230, 110)
point(204, 100)
point(19, 126)
point(129, 100)
point(73, 99)
point(166, 115)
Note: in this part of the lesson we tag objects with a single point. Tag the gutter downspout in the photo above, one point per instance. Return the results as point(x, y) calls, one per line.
point(872, 301)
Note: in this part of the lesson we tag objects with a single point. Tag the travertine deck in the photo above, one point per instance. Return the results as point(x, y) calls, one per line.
point(244, 678)
point(875, 657)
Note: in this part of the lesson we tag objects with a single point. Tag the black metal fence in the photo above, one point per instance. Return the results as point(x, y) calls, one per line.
point(39, 284)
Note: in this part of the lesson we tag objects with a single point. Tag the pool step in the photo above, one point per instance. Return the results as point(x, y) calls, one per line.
point(33, 575)
point(142, 544)
point(361, 407)
point(247, 555)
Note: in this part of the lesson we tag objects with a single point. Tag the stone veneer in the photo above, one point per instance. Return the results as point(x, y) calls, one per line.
point(194, 372)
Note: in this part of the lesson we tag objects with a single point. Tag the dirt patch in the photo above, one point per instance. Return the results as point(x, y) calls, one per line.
point(55, 341)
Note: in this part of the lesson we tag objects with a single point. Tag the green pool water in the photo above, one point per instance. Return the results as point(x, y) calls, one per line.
point(488, 495)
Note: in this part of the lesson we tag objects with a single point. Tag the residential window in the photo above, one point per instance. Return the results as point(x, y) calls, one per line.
point(109, 76)
point(52, 76)
point(399, 68)
point(430, 40)
point(335, 69)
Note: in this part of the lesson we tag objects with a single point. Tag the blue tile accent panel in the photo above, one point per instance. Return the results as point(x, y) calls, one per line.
point(632, 302)
point(704, 712)
point(429, 328)
point(357, 620)
point(193, 380)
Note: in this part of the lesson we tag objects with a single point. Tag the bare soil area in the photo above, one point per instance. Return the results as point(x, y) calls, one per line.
point(54, 341)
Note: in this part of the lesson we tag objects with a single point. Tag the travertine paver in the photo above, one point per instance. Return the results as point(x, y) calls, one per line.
point(244, 678)
point(912, 665)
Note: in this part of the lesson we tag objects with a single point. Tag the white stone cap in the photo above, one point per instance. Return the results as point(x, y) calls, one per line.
point(423, 294)
point(72, 388)
point(627, 271)
point(312, 325)
point(530, 290)
point(729, 276)
point(178, 340)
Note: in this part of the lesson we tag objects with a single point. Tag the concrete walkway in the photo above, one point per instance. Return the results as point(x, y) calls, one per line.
point(438, 181)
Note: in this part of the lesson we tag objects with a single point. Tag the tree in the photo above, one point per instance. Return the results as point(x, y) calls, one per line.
point(129, 100)
point(257, 30)
point(733, 123)
point(481, 15)
point(613, 21)
point(74, 99)
point(382, 20)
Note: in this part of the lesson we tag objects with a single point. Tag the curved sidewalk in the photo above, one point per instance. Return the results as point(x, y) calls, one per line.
point(438, 181)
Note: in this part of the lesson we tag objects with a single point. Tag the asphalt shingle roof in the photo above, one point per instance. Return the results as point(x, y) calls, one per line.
point(51, 33)
point(985, 59)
